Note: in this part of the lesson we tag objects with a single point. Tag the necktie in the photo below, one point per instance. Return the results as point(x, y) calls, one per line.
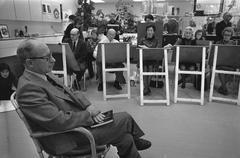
point(73, 47)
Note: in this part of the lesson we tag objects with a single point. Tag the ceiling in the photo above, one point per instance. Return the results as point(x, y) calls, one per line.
point(114, 1)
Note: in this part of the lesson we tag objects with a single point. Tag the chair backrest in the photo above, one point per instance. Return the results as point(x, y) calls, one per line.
point(203, 42)
point(170, 39)
point(191, 54)
point(22, 117)
point(152, 54)
point(141, 30)
point(57, 51)
point(114, 52)
point(228, 55)
point(72, 63)
point(207, 44)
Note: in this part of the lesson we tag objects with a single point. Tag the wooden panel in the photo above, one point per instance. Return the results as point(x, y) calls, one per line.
point(35, 10)
point(189, 54)
point(114, 52)
point(22, 10)
point(9, 47)
point(56, 49)
point(52, 8)
point(7, 11)
point(227, 56)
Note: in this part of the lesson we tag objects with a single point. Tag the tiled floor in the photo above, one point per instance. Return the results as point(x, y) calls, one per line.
point(182, 130)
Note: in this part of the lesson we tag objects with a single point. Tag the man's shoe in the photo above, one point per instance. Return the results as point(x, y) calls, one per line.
point(117, 85)
point(142, 144)
point(89, 77)
point(222, 91)
point(146, 91)
point(100, 87)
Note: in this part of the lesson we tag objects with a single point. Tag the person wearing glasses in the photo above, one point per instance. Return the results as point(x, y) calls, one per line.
point(227, 34)
point(49, 106)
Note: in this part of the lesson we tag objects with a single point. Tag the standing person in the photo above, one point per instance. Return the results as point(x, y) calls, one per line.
point(79, 50)
point(48, 108)
point(117, 26)
point(209, 26)
point(224, 78)
point(7, 82)
point(149, 18)
point(76, 22)
point(119, 74)
point(149, 41)
point(222, 25)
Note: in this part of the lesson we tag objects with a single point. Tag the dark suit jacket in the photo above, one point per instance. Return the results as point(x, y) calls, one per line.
point(80, 52)
point(66, 36)
point(48, 108)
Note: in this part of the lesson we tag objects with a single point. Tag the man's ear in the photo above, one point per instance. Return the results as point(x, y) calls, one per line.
point(29, 63)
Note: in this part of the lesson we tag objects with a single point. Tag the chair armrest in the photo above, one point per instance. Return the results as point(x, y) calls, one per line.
point(81, 130)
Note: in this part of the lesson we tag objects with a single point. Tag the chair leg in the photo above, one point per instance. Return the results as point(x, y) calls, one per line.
point(84, 82)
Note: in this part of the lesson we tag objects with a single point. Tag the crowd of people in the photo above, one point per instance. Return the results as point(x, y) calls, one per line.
point(56, 108)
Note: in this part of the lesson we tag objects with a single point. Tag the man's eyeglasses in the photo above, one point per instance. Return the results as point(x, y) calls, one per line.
point(46, 57)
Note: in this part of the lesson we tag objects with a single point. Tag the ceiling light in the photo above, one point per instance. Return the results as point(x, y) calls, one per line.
point(97, 1)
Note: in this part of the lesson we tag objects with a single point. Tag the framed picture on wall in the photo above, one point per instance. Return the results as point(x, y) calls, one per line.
point(4, 33)
point(44, 8)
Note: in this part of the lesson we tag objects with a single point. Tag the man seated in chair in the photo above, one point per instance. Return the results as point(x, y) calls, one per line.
point(119, 74)
point(79, 49)
point(50, 106)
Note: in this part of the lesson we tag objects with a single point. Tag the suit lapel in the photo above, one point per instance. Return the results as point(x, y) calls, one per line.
point(67, 90)
point(42, 83)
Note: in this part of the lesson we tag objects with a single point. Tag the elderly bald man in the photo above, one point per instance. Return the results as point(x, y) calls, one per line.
point(222, 25)
point(50, 106)
point(111, 33)
point(79, 49)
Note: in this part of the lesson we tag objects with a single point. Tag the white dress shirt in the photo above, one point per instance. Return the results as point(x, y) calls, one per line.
point(103, 39)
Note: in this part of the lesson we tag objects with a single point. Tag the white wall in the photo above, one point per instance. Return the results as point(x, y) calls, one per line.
point(184, 6)
point(109, 8)
point(38, 26)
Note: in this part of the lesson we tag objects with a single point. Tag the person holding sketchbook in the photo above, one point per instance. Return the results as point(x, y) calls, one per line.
point(227, 33)
point(149, 41)
point(50, 106)
point(187, 39)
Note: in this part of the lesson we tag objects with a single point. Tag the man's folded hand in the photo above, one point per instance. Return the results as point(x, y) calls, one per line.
point(93, 110)
point(99, 118)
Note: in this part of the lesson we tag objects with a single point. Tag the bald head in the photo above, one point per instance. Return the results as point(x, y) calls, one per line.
point(74, 34)
point(30, 48)
point(111, 34)
point(36, 56)
point(74, 31)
